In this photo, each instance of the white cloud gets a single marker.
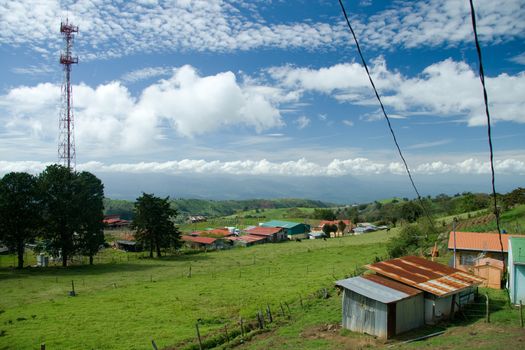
(446, 88)
(112, 29)
(145, 73)
(348, 122)
(301, 167)
(302, 122)
(520, 59)
(436, 22)
(109, 117)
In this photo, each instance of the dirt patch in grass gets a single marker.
(341, 338)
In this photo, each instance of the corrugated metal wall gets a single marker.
(410, 313)
(364, 315)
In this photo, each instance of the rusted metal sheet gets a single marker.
(426, 275)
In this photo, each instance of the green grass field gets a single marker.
(126, 304)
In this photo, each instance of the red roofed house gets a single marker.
(114, 221)
(273, 234)
(216, 232)
(203, 242)
(480, 254)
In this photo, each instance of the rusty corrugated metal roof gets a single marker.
(392, 284)
(426, 275)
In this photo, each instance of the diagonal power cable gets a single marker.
(489, 132)
(386, 117)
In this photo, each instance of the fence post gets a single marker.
(269, 313)
(521, 314)
(43, 346)
(301, 300)
(242, 329)
(226, 331)
(282, 309)
(198, 335)
(154, 345)
(487, 308)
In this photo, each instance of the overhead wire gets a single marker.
(386, 117)
(489, 131)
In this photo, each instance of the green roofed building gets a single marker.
(516, 268)
(294, 230)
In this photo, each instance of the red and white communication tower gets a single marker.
(66, 145)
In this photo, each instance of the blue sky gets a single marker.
(258, 89)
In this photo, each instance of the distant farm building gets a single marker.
(445, 288)
(273, 234)
(114, 221)
(205, 243)
(196, 218)
(516, 268)
(293, 230)
(128, 246)
(378, 306)
(248, 240)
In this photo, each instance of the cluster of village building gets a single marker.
(401, 294)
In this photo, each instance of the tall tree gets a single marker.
(61, 212)
(19, 212)
(153, 220)
(72, 211)
(91, 230)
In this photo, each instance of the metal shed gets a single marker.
(378, 306)
(445, 288)
(294, 230)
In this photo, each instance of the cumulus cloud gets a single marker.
(446, 88)
(109, 116)
(301, 167)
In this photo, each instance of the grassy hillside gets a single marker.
(213, 208)
(123, 305)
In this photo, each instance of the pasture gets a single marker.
(128, 301)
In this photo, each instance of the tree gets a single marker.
(323, 214)
(72, 211)
(405, 243)
(410, 211)
(91, 230)
(19, 212)
(341, 226)
(154, 225)
(327, 228)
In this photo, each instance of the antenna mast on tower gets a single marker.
(66, 146)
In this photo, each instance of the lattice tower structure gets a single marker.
(66, 145)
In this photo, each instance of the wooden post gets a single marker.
(301, 300)
(521, 314)
(269, 313)
(72, 293)
(487, 308)
(189, 273)
(154, 345)
(227, 335)
(282, 309)
(242, 329)
(288, 307)
(198, 335)
(43, 346)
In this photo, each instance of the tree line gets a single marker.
(63, 210)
